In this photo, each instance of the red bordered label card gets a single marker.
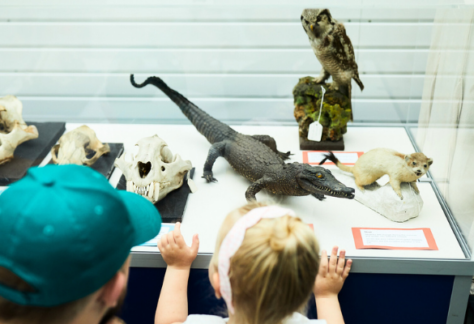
(394, 238)
(346, 158)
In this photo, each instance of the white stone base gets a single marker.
(384, 200)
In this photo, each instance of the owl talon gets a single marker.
(333, 86)
(318, 80)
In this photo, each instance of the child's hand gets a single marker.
(115, 320)
(331, 276)
(174, 250)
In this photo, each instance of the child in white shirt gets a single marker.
(265, 266)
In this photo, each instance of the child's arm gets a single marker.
(329, 282)
(173, 302)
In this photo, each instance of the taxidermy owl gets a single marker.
(333, 48)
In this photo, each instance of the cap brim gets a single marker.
(144, 216)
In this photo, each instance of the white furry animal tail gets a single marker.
(331, 157)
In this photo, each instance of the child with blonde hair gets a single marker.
(265, 266)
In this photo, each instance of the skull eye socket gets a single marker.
(163, 168)
(319, 175)
(144, 169)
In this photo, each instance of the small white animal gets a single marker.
(376, 163)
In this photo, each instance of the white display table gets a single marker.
(332, 218)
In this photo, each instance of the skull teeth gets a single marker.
(150, 191)
(143, 191)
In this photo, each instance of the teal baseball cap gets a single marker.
(66, 232)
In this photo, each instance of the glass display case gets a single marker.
(70, 61)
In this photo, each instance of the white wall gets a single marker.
(238, 60)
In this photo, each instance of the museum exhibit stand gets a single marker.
(428, 285)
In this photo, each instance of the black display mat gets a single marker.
(105, 164)
(31, 153)
(308, 145)
(171, 207)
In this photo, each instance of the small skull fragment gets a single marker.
(74, 147)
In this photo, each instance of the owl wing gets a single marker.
(343, 49)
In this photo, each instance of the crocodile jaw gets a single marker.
(312, 187)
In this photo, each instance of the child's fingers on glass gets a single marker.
(162, 243)
(340, 262)
(176, 237)
(347, 269)
(323, 265)
(333, 260)
(164, 240)
(170, 238)
(177, 228)
(179, 240)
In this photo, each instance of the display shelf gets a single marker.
(332, 218)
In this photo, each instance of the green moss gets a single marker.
(336, 111)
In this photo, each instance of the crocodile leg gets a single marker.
(216, 150)
(255, 188)
(271, 143)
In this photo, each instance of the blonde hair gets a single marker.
(272, 274)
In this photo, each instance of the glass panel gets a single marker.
(445, 130)
(239, 61)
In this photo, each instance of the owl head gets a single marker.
(317, 22)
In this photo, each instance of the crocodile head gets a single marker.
(318, 180)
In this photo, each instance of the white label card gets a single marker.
(394, 238)
(315, 131)
(165, 229)
(192, 186)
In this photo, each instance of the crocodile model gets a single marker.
(255, 157)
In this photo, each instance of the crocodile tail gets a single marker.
(212, 129)
(331, 157)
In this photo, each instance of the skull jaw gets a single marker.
(5, 159)
(155, 191)
(151, 191)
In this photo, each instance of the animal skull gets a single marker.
(13, 129)
(76, 145)
(154, 171)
